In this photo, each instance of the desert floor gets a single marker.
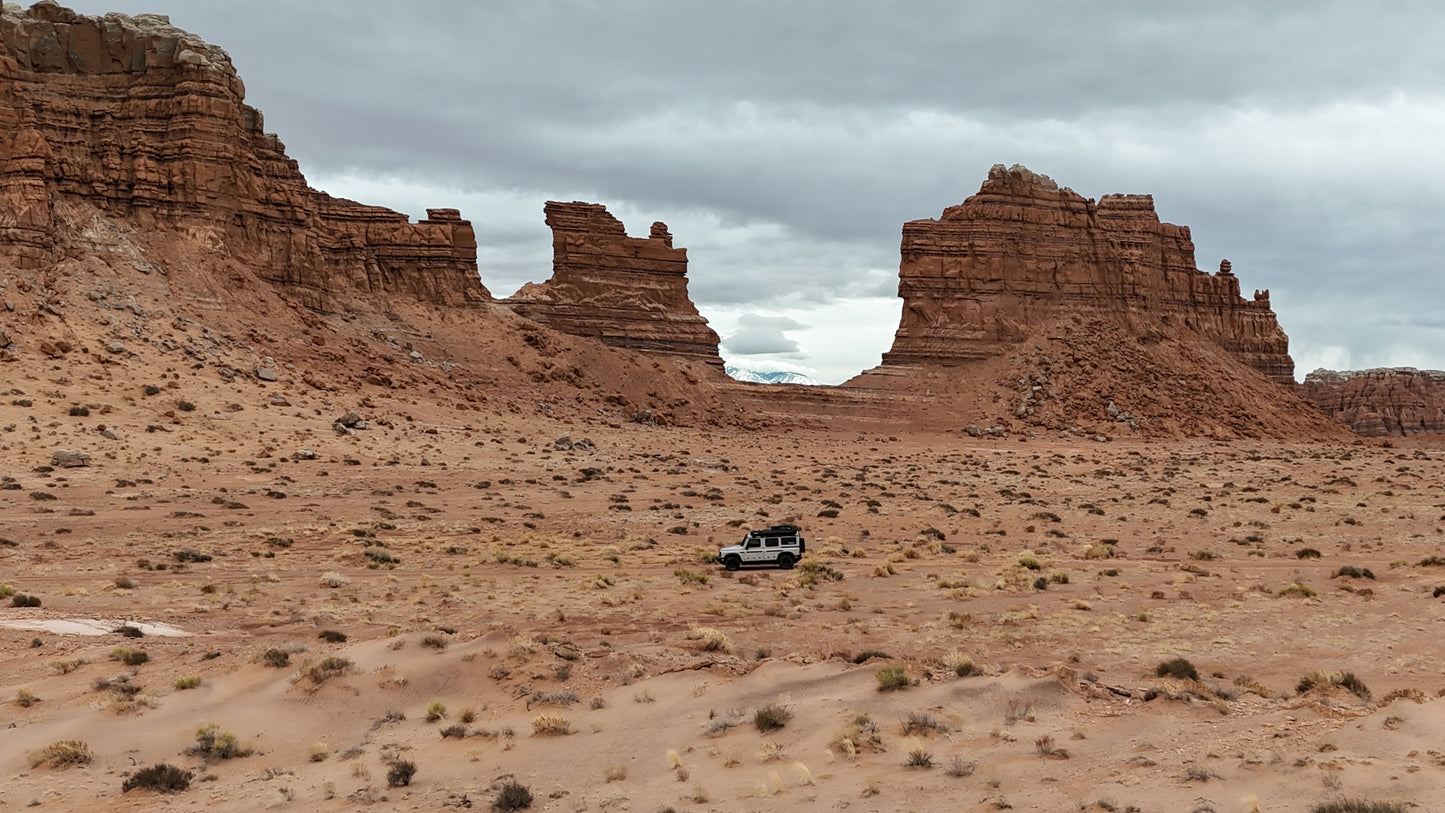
(1027, 588)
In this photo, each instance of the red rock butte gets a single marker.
(147, 122)
(628, 292)
(1384, 402)
(1023, 251)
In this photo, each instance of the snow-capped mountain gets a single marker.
(773, 377)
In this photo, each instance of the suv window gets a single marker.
(771, 543)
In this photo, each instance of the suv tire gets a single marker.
(785, 561)
(732, 563)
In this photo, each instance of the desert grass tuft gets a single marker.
(1358, 806)
(550, 725)
(326, 669)
(213, 743)
(918, 755)
(771, 718)
(128, 656)
(923, 723)
(893, 678)
(709, 639)
(435, 710)
(1345, 680)
(62, 754)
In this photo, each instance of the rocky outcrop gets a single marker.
(626, 291)
(1384, 402)
(1023, 252)
(146, 122)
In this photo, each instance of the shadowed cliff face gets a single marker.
(1023, 251)
(1399, 401)
(629, 292)
(144, 121)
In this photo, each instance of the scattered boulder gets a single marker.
(304, 454)
(69, 458)
(266, 373)
(562, 443)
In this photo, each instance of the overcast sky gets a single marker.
(785, 143)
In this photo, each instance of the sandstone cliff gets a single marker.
(145, 122)
(1023, 251)
(629, 292)
(1384, 402)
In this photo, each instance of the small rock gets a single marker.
(304, 454)
(583, 445)
(415, 355)
(349, 419)
(109, 434)
(973, 430)
(4, 339)
(562, 443)
(362, 425)
(342, 429)
(266, 373)
(69, 458)
(279, 400)
(115, 347)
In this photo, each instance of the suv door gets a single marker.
(753, 551)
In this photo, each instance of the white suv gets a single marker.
(780, 545)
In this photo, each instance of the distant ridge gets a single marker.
(774, 377)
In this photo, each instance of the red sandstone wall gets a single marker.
(629, 292)
(147, 122)
(1022, 251)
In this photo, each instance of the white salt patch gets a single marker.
(90, 626)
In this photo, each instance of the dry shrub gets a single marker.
(709, 639)
(400, 774)
(548, 725)
(161, 778)
(893, 678)
(213, 743)
(326, 669)
(62, 754)
(771, 718)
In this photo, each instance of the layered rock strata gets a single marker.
(626, 291)
(144, 121)
(1384, 402)
(1024, 251)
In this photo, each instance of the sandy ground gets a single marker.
(517, 590)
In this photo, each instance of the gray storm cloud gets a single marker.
(785, 144)
(763, 335)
